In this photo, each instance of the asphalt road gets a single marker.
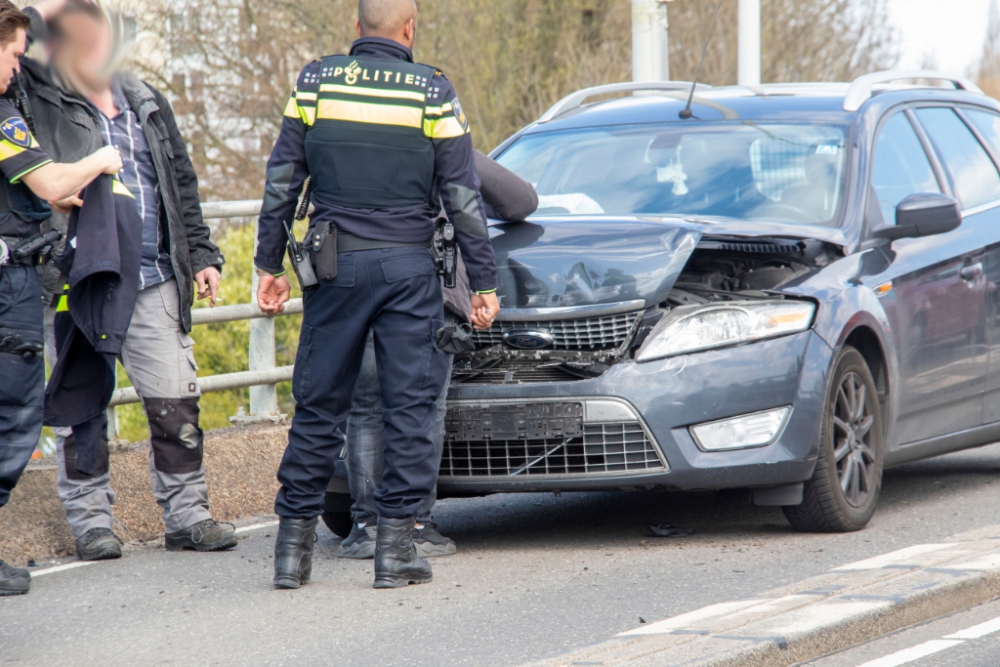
(536, 575)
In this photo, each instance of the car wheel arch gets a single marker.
(868, 333)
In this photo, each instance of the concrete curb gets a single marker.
(851, 604)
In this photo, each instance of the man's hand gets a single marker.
(485, 308)
(65, 206)
(273, 293)
(208, 284)
(111, 159)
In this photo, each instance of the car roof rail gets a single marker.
(861, 88)
(576, 100)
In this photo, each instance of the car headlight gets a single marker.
(754, 430)
(695, 328)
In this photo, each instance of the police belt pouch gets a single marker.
(322, 244)
(455, 338)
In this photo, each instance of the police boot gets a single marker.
(293, 552)
(396, 562)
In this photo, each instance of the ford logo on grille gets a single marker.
(528, 340)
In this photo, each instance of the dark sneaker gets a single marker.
(207, 535)
(432, 544)
(99, 544)
(13, 580)
(360, 543)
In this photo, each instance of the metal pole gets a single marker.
(263, 398)
(650, 54)
(749, 50)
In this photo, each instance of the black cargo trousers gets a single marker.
(22, 372)
(396, 293)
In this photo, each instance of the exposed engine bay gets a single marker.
(719, 270)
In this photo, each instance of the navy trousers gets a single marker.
(396, 293)
(22, 373)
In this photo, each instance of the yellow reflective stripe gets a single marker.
(17, 179)
(439, 111)
(376, 114)
(446, 128)
(373, 92)
(8, 149)
(308, 97)
(306, 114)
(63, 306)
(118, 188)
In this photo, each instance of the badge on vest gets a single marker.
(15, 131)
(460, 114)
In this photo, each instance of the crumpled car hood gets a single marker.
(556, 262)
(563, 262)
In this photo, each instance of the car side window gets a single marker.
(972, 172)
(988, 124)
(901, 167)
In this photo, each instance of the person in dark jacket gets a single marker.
(78, 106)
(29, 176)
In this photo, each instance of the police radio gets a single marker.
(448, 266)
(301, 264)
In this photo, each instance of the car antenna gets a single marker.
(686, 112)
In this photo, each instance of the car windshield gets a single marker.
(780, 172)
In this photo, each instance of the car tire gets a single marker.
(337, 514)
(844, 490)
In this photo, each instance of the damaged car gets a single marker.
(781, 290)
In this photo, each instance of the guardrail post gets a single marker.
(263, 398)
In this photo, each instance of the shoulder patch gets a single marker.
(460, 114)
(16, 132)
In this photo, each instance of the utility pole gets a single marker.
(749, 49)
(650, 56)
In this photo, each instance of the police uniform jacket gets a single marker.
(386, 143)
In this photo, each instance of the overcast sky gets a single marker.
(952, 30)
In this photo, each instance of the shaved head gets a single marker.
(385, 18)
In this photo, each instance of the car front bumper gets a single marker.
(665, 398)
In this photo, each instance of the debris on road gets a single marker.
(667, 530)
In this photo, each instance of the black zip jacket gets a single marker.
(69, 130)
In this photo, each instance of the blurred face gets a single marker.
(9, 60)
(84, 51)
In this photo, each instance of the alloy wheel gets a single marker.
(852, 431)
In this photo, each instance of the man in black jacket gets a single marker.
(77, 107)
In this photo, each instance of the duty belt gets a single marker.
(350, 243)
(12, 242)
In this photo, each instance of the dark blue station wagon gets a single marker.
(786, 292)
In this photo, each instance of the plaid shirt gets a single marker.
(138, 174)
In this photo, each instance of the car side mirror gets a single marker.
(922, 215)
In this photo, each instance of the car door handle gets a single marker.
(972, 271)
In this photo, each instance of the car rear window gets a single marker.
(784, 172)
(973, 175)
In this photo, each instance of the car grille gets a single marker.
(591, 333)
(518, 371)
(621, 447)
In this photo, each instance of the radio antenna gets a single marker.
(686, 112)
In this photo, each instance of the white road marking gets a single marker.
(691, 619)
(256, 526)
(914, 653)
(977, 631)
(61, 568)
(902, 557)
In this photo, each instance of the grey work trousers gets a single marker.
(159, 360)
(366, 439)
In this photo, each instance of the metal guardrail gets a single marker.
(263, 374)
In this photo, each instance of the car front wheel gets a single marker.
(844, 490)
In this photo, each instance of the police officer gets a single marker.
(383, 140)
(28, 177)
